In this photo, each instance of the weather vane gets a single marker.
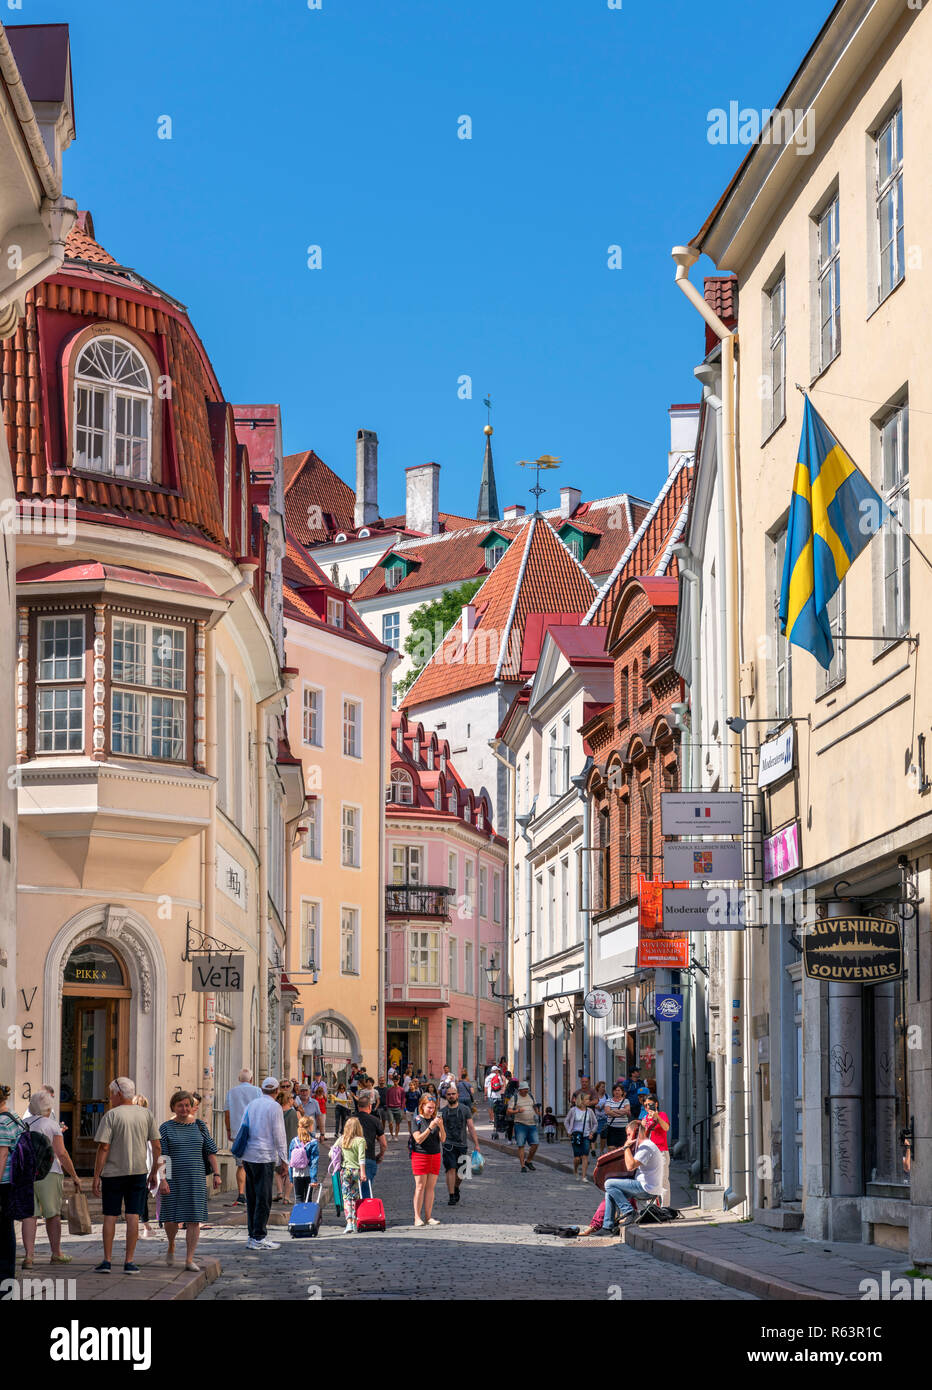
(487, 402)
(545, 461)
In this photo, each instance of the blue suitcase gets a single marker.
(305, 1218)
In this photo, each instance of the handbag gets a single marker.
(205, 1154)
(238, 1147)
(79, 1216)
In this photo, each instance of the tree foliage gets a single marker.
(430, 624)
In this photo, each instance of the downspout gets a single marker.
(508, 1020)
(207, 1028)
(292, 840)
(391, 660)
(739, 1157)
(524, 821)
(263, 849)
(579, 782)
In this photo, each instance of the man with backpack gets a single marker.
(494, 1085)
(523, 1111)
(121, 1170)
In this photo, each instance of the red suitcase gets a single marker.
(370, 1213)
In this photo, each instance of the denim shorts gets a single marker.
(580, 1144)
(525, 1134)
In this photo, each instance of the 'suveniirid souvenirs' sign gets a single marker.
(853, 949)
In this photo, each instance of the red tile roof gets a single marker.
(425, 780)
(650, 552)
(82, 572)
(303, 579)
(537, 574)
(458, 556)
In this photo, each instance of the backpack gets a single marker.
(299, 1160)
(496, 1083)
(43, 1155)
(566, 1232)
(655, 1214)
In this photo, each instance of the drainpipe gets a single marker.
(208, 1029)
(523, 822)
(579, 782)
(263, 849)
(508, 1020)
(739, 1159)
(293, 838)
(392, 659)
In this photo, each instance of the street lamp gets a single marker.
(737, 724)
(493, 973)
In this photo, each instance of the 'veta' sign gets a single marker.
(217, 972)
(853, 948)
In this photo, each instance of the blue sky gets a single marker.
(441, 257)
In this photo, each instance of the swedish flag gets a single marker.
(833, 515)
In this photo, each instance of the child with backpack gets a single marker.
(303, 1157)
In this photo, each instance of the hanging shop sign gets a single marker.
(658, 949)
(217, 972)
(703, 909)
(598, 1003)
(776, 758)
(297, 1015)
(701, 813)
(718, 859)
(781, 852)
(850, 949)
(668, 1008)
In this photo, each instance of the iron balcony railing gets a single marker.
(417, 900)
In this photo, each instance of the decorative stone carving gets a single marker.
(116, 925)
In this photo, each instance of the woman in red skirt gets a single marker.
(427, 1137)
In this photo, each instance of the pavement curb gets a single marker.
(538, 1157)
(665, 1247)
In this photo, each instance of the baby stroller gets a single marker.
(499, 1123)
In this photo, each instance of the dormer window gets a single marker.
(480, 819)
(443, 762)
(400, 739)
(451, 803)
(364, 536)
(402, 789)
(335, 612)
(467, 814)
(438, 797)
(339, 537)
(493, 554)
(416, 749)
(430, 758)
(394, 574)
(113, 410)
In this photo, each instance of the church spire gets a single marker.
(488, 495)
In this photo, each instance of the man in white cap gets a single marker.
(524, 1108)
(266, 1149)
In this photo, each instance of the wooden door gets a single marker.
(99, 1057)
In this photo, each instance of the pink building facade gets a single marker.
(445, 910)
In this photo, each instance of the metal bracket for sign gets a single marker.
(906, 898)
(210, 944)
(697, 965)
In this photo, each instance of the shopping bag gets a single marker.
(477, 1162)
(79, 1217)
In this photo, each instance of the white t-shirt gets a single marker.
(650, 1173)
(238, 1097)
(488, 1085)
(44, 1124)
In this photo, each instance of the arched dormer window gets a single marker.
(402, 788)
(340, 536)
(113, 410)
(438, 797)
(451, 803)
(400, 738)
(430, 758)
(480, 818)
(416, 749)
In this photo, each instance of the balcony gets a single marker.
(417, 900)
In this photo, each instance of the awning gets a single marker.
(288, 988)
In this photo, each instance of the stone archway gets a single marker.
(141, 951)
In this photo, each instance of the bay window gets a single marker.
(60, 685)
(424, 958)
(148, 660)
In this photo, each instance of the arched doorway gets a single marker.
(96, 997)
(328, 1047)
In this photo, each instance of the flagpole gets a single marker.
(918, 549)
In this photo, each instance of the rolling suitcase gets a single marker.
(305, 1216)
(370, 1212)
(337, 1193)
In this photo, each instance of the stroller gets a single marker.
(499, 1121)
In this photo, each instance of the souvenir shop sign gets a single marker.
(217, 972)
(658, 949)
(852, 949)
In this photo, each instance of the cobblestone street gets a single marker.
(485, 1247)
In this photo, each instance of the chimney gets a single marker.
(684, 431)
(468, 623)
(570, 498)
(422, 498)
(367, 479)
(512, 512)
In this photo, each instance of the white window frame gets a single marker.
(424, 957)
(835, 612)
(483, 892)
(310, 933)
(453, 880)
(468, 977)
(111, 392)
(483, 977)
(564, 903)
(783, 659)
(356, 843)
(352, 748)
(893, 431)
(391, 629)
(829, 278)
(350, 917)
(336, 612)
(494, 554)
(394, 574)
(496, 897)
(888, 192)
(240, 756)
(469, 885)
(410, 861)
(776, 353)
(453, 964)
(311, 715)
(401, 778)
(312, 848)
(221, 691)
(74, 742)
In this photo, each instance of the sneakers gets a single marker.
(529, 1164)
(433, 1221)
(104, 1267)
(629, 1218)
(266, 1244)
(130, 1268)
(522, 1170)
(61, 1259)
(349, 1229)
(451, 1200)
(253, 1244)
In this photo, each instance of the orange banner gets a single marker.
(658, 949)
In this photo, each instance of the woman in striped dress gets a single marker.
(185, 1144)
